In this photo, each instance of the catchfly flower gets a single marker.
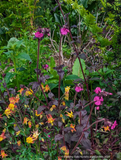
(98, 100)
(97, 90)
(64, 31)
(78, 89)
(114, 125)
(39, 35)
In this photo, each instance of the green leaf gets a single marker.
(76, 70)
(57, 18)
(24, 56)
(105, 141)
(52, 62)
(97, 152)
(9, 76)
(72, 77)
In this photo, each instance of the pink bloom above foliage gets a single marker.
(39, 35)
(114, 125)
(97, 90)
(64, 31)
(49, 136)
(98, 100)
(78, 89)
(46, 66)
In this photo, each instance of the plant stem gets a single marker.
(38, 58)
(14, 61)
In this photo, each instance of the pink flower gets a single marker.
(97, 108)
(98, 100)
(39, 35)
(49, 136)
(114, 125)
(78, 89)
(45, 66)
(48, 34)
(97, 90)
(64, 31)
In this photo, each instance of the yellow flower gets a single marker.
(17, 133)
(42, 86)
(41, 123)
(29, 140)
(63, 103)
(42, 140)
(67, 89)
(81, 153)
(8, 112)
(28, 92)
(50, 119)
(67, 152)
(19, 143)
(26, 106)
(4, 130)
(37, 126)
(73, 128)
(11, 106)
(35, 135)
(70, 114)
(63, 120)
(53, 107)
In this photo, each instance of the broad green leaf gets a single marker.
(72, 77)
(52, 62)
(97, 152)
(76, 70)
(9, 76)
(24, 56)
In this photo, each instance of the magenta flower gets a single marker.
(39, 35)
(45, 66)
(98, 100)
(97, 90)
(78, 89)
(114, 125)
(49, 136)
(64, 31)
(48, 34)
(97, 108)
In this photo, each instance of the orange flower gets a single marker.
(25, 120)
(42, 86)
(106, 128)
(19, 143)
(38, 114)
(21, 90)
(59, 158)
(14, 100)
(73, 128)
(30, 124)
(50, 119)
(63, 103)
(2, 136)
(67, 152)
(3, 154)
(63, 148)
(47, 88)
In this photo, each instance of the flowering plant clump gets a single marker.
(57, 113)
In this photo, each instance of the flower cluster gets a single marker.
(27, 93)
(46, 88)
(33, 137)
(26, 120)
(99, 99)
(64, 31)
(65, 150)
(11, 107)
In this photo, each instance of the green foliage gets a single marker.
(77, 69)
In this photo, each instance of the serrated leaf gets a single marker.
(76, 70)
